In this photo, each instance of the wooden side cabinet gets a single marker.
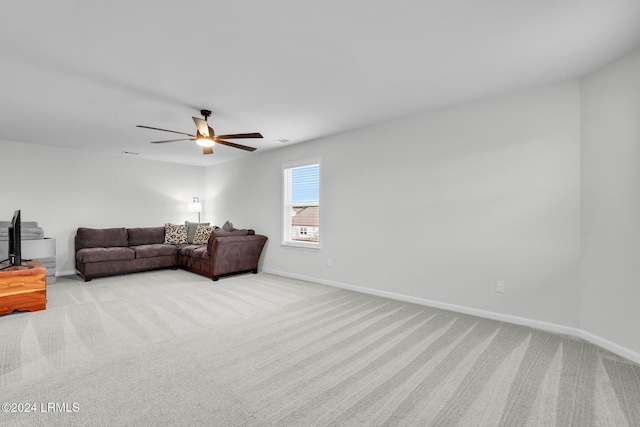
(23, 289)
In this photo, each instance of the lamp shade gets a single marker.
(195, 206)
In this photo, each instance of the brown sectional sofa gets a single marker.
(111, 251)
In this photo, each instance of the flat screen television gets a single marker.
(15, 242)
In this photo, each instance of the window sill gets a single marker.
(301, 245)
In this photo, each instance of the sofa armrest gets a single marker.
(220, 233)
(231, 254)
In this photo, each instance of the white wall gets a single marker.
(66, 189)
(610, 270)
(437, 206)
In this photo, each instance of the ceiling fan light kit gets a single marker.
(203, 141)
(206, 137)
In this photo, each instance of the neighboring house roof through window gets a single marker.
(307, 217)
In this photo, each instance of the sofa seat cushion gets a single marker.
(195, 251)
(86, 255)
(155, 250)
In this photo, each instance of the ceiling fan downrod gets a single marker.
(205, 114)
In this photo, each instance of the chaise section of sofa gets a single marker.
(225, 253)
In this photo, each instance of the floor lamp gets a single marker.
(195, 206)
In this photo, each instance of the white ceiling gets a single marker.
(81, 74)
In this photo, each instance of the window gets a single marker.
(301, 207)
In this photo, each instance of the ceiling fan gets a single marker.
(205, 137)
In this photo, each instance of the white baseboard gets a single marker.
(609, 345)
(546, 326)
(66, 273)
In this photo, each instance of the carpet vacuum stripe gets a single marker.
(174, 348)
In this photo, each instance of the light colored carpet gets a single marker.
(174, 348)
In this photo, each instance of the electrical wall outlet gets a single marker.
(500, 286)
(329, 263)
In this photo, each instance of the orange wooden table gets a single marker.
(23, 288)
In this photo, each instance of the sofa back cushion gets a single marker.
(101, 237)
(145, 236)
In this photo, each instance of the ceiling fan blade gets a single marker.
(202, 126)
(166, 130)
(239, 135)
(172, 140)
(231, 144)
(207, 150)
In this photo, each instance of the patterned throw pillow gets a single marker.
(202, 235)
(191, 229)
(175, 234)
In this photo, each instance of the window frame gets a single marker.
(286, 205)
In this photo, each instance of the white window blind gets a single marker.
(301, 208)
